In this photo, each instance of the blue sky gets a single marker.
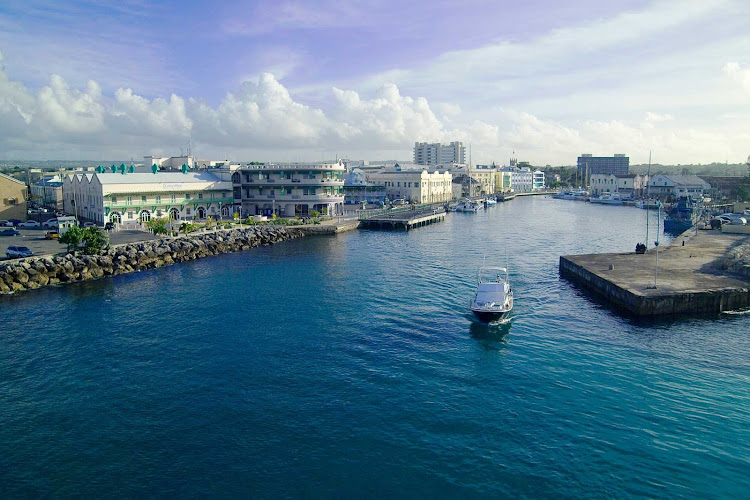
(289, 80)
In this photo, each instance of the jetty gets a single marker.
(699, 273)
(402, 219)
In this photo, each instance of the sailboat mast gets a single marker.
(648, 177)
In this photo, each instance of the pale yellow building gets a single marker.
(416, 186)
(13, 196)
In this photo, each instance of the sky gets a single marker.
(307, 81)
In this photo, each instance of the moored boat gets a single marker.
(494, 298)
(467, 206)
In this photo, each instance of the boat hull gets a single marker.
(489, 316)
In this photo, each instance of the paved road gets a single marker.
(34, 239)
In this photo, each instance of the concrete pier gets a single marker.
(404, 220)
(689, 279)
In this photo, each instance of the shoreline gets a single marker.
(36, 272)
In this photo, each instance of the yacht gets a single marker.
(494, 297)
(610, 199)
(490, 201)
(467, 206)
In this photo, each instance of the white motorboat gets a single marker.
(490, 201)
(494, 297)
(647, 204)
(610, 199)
(467, 206)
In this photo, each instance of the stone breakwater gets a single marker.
(42, 271)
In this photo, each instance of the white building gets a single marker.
(677, 186)
(537, 180)
(130, 198)
(416, 186)
(521, 179)
(628, 185)
(439, 154)
(290, 189)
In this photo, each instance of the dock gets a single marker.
(690, 279)
(403, 219)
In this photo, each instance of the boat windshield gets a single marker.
(493, 275)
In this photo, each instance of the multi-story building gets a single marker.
(628, 186)
(435, 153)
(290, 189)
(48, 192)
(486, 176)
(135, 197)
(668, 186)
(416, 186)
(357, 189)
(537, 180)
(589, 165)
(521, 179)
(13, 194)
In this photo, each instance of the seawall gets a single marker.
(36, 272)
(692, 277)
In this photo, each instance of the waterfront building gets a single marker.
(439, 154)
(668, 186)
(465, 186)
(537, 180)
(521, 178)
(130, 198)
(589, 165)
(627, 186)
(13, 194)
(357, 189)
(290, 189)
(416, 186)
(47, 192)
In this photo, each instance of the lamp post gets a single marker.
(656, 244)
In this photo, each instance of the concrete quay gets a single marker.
(690, 279)
(407, 219)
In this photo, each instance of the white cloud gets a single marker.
(738, 75)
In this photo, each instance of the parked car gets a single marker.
(15, 222)
(17, 252)
(89, 224)
(10, 232)
(51, 235)
(30, 223)
(6, 223)
(50, 223)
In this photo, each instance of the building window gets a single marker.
(158, 198)
(114, 199)
(200, 196)
(129, 200)
(187, 196)
(187, 211)
(172, 198)
(130, 215)
(143, 198)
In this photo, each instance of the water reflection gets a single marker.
(495, 332)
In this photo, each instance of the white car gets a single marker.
(50, 223)
(29, 223)
(6, 223)
(89, 224)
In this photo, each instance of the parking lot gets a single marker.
(34, 240)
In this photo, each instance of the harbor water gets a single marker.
(351, 366)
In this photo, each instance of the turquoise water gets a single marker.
(351, 366)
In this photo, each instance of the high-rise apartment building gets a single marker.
(589, 165)
(426, 153)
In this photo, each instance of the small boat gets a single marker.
(610, 199)
(494, 297)
(490, 201)
(647, 204)
(467, 206)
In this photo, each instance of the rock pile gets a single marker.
(736, 260)
(37, 272)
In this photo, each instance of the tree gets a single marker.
(314, 213)
(72, 237)
(94, 240)
(157, 226)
